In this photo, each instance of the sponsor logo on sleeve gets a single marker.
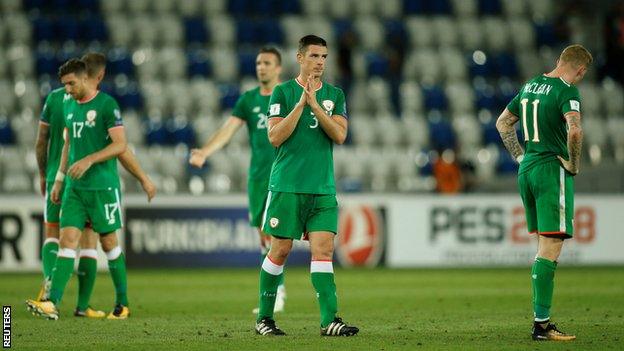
(274, 110)
(575, 105)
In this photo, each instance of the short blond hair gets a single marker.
(576, 55)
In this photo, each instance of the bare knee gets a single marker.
(51, 232)
(549, 248)
(89, 239)
(280, 248)
(322, 246)
(109, 241)
(69, 238)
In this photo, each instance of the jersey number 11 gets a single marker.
(535, 102)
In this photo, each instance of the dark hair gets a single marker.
(74, 65)
(272, 50)
(310, 39)
(94, 61)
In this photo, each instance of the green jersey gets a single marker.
(251, 107)
(87, 126)
(541, 104)
(304, 163)
(52, 116)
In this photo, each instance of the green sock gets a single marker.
(87, 269)
(270, 277)
(262, 257)
(61, 273)
(322, 276)
(49, 250)
(542, 275)
(117, 268)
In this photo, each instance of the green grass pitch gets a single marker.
(416, 309)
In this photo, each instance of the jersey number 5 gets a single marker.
(535, 102)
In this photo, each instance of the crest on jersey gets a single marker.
(273, 222)
(91, 114)
(328, 105)
(70, 116)
(256, 109)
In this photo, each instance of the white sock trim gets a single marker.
(67, 253)
(114, 253)
(91, 253)
(271, 268)
(50, 240)
(542, 320)
(321, 267)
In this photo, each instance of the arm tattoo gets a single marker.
(575, 138)
(41, 151)
(505, 126)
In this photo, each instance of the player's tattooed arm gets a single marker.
(575, 142)
(41, 152)
(505, 126)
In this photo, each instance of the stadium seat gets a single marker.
(445, 30)
(143, 27)
(67, 29)
(461, 97)
(490, 7)
(180, 132)
(434, 97)
(198, 63)
(170, 30)
(189, 8)
(505, 64)
(506, 164)
(163, 7)
(471, 34)
(370, 32)
(215, 7)
(229, 95)
(44, 29)
(6, 132)
(19, 29)
(454, 65)
(545, 34)
(615, 130)
(20, 60)
(377, 64)
(465, 8)
(340, 9)
(228, 64)
(420, 31)
(121, 30)
(441, 133)
(120, 62)
(513, 8)
(270, 32)
(522, 34)
(613, 98)
(468, 131)
(592, 104)
(415, 131)
(93, 28)
(496, 33)
(388, 8)
(129, 96)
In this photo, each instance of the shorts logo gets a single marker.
(274, 222)
(575, 105)
(274, 110)
(91, 114)
(328, 105)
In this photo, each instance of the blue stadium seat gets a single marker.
(67, 28)
(270, 32)
(545, 34)
(46, 63)
(156, 133)
(412, 7)
(490, 133)
(481, 69)
(120, 62)
(378, 64)
(43, 29)
(505, 64)
(395, 31)
(485, 98)
(229, 95)
(426, 169)
(246, 31)
(342, 26)
(129, 97)
(506, 164)
(92, 6)
(180, 132)
(93, 28)
(67, 53)
(240, 7)
(198, 64)
(490, 7)
(435, 98)
(441, 134)
(195, 30)
(7, 137)
(63, 5)
(439, 7)
(247, 63)
(107, 87)
(290, 6)
(33, 4)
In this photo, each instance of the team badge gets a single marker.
(91, 114)
(328, 105)
(274, 222)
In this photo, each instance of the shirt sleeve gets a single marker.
(341, 105)
(239, 108)
(514, 105)
(570, 100)
(112, 115)
(277, 103)
(45, 112)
